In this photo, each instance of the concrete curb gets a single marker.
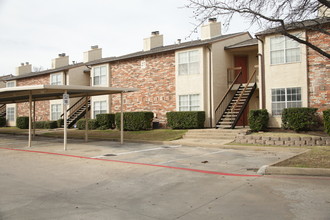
(273, 170)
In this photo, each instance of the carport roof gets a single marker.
(50, 92)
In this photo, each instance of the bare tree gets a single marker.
(285, 15)
(38, 68)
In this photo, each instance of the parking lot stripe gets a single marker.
(135, 163)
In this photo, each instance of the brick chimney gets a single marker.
(211, 29)
(155, 40)
(94, 54)
(60, 61)
(23, 69)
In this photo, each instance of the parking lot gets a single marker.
(106, 180)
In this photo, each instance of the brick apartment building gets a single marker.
(196, 75)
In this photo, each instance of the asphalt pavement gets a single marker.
(106, 180)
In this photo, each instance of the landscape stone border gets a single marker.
(282, 141)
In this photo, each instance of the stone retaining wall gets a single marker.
(283, 141)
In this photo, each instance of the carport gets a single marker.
(51, 92)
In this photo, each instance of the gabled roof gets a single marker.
(246, 43)
(168, 48)
(157, 50)
(60, 69)
(307, 24)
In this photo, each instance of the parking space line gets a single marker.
(135, 163)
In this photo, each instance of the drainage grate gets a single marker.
(110, 155)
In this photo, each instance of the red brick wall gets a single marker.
(42, 107)
(156, 84)
(319, 71)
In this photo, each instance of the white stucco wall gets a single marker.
(284, 76)
(106, 98)
(221, 61)
(190, 84)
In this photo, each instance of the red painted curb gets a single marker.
(135, 163)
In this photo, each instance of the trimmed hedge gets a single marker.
(45, 124)
(185, 120)
(22, 122)
(326, 118)
(258, 119)
(106, 121)
(60, 122)
(299, 119)
(135, 121)
(3, 122)
(92, 124)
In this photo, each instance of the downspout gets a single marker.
(65, 77)
(262, 58)
(210, 85)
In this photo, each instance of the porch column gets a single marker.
(30, 119)
(121, 119)
(86, 119)
(65, 122)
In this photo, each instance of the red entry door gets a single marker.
(242, 61)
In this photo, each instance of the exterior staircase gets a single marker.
(236, 106)
(77, 111)
(3, 110)
(209, 137)
(235, 101)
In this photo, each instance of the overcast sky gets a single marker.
(36, 31)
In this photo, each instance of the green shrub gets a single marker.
(45, 124)
(185, 120)
(3, 121)
(326, 118)
(60, 122)
(50, 124)
(92, 124)
(135, 121)
(22, 122)
(106, 121)
(299, 119)
(39, 124)
(258, 119)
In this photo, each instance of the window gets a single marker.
(284, 50)
(56, 79)
(188, 62)
(285, 98)
(56, 111)
(189, 102)
(100, 107)
(11, 84)
(100, 75)
(10, 114)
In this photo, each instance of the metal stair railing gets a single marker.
(2, 109)
(235, 120)
(76, 107)
(226, 99)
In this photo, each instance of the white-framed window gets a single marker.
(100, 107)
(189, 102)
(284, 50)
(10, 114)
(10, 84)
(99, 75)
(55, 111)
(189, 62)
(285, 98)
(56, 79)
